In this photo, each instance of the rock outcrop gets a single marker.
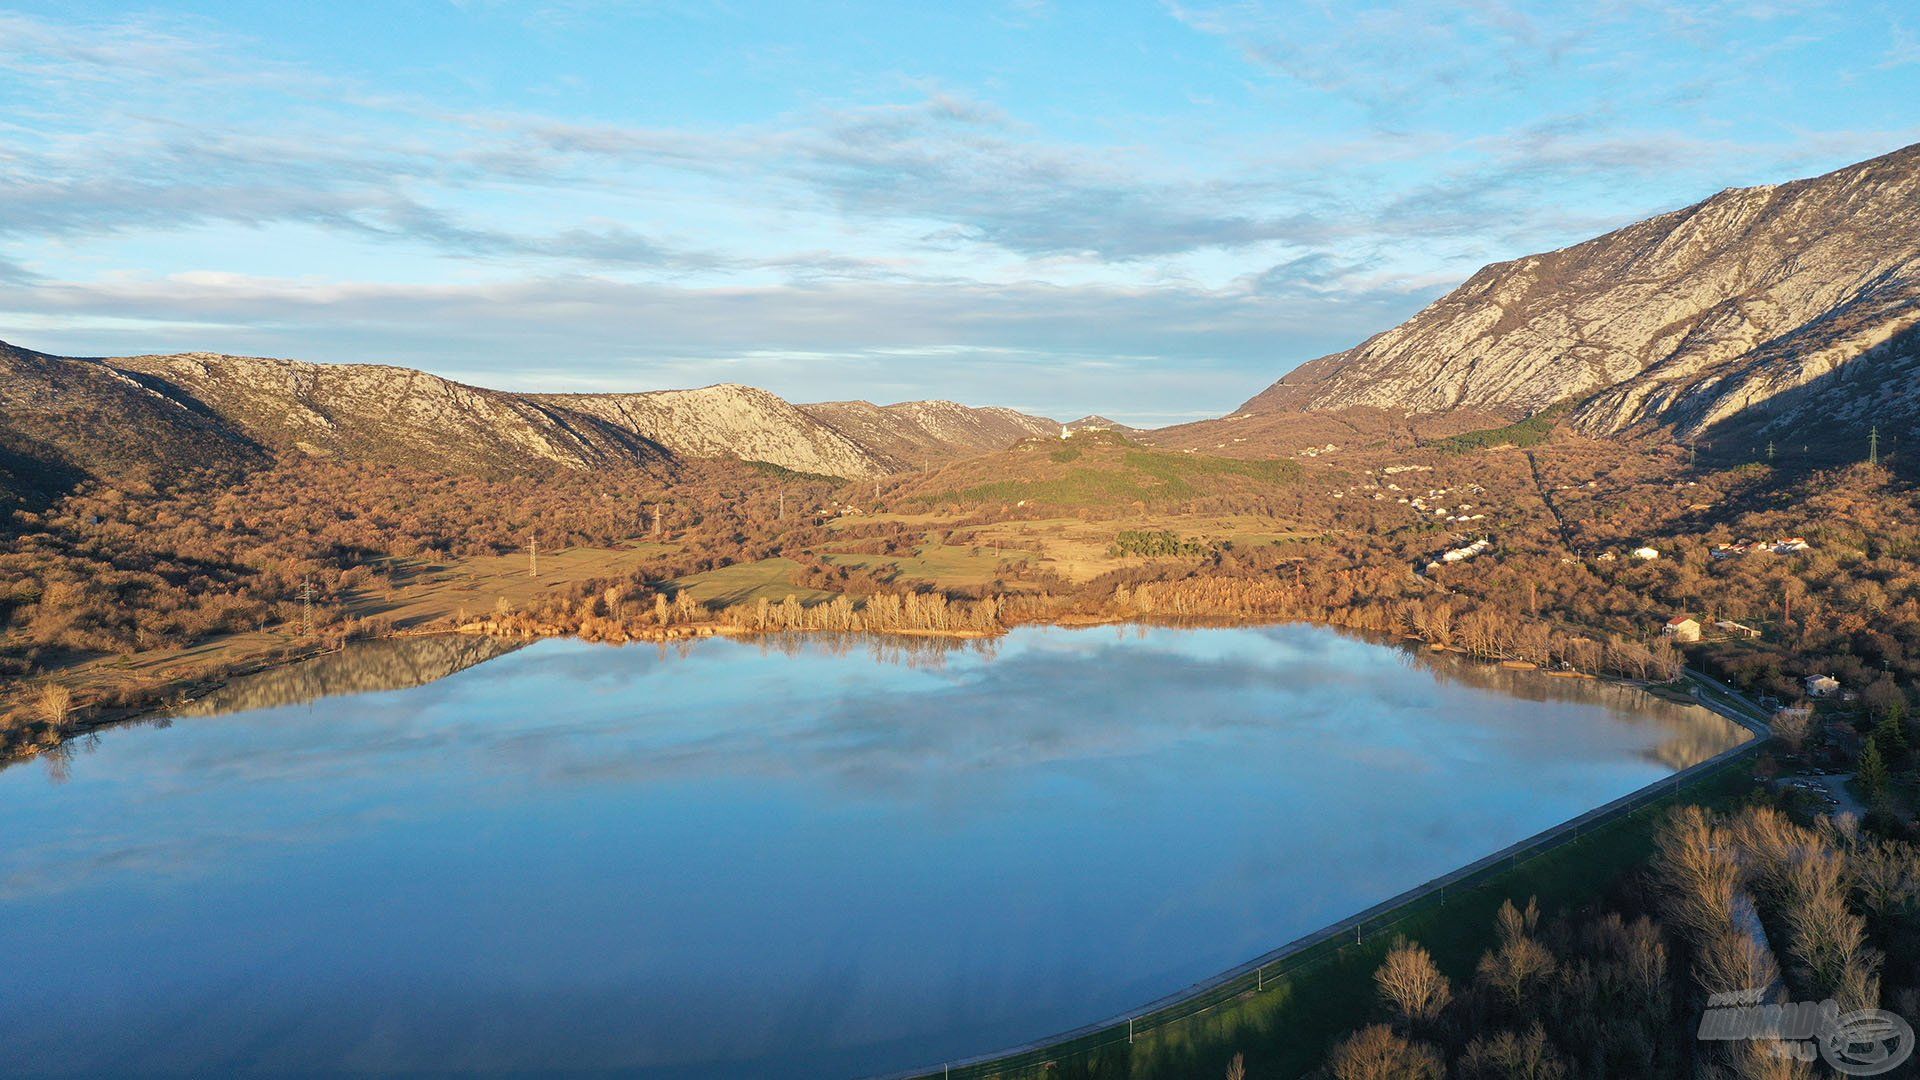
(1683, 321)
(729, 420)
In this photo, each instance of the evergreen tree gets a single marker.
(1890, 735)
(1873, 769)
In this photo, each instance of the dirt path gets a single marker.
(1546, 500)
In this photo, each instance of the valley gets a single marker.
(1673, 463)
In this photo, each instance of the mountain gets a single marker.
(1793, 303)
(1096, 422)
(391, 415)
(913, 431)
(62, 419)
(729, 420)
(151, 416)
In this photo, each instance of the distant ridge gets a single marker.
(155, 415)
(1097, 422)
(911, 431)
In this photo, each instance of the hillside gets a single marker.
(727, 420)
(68, 417)
(389, 415)
(61, 419)
(1096, 470)
(913, 431)
(1797, 300)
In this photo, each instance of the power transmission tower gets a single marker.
(306, 606)
(533, 557)
(1873, 446)
(783, 506)
(1769, 449)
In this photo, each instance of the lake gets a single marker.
(798, 856)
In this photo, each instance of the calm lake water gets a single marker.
(784, 858)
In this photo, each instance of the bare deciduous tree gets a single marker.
(56, 703)
(1380, 1053)
(1411, 985)
(1792, 726)
(1508, 1056)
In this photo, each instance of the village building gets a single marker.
(1822, 685)
(1683, 628)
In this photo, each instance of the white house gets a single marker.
(1645, 553)
(1822, 685)
(1683, 628)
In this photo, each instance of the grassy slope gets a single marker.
(1532, 431)
(1095, 469)
(771, 579)
(945, 565)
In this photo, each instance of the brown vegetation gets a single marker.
(1593, 994)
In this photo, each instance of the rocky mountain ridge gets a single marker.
(159, 413)
(1757, 301)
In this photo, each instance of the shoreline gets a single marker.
(176, 694)
(1206, 994)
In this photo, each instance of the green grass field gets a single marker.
(745, 582)
(941, 564)
(1117, 475)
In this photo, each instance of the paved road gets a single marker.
(1845, 802)
(1728, 694)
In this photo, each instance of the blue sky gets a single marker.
(1149, 210)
